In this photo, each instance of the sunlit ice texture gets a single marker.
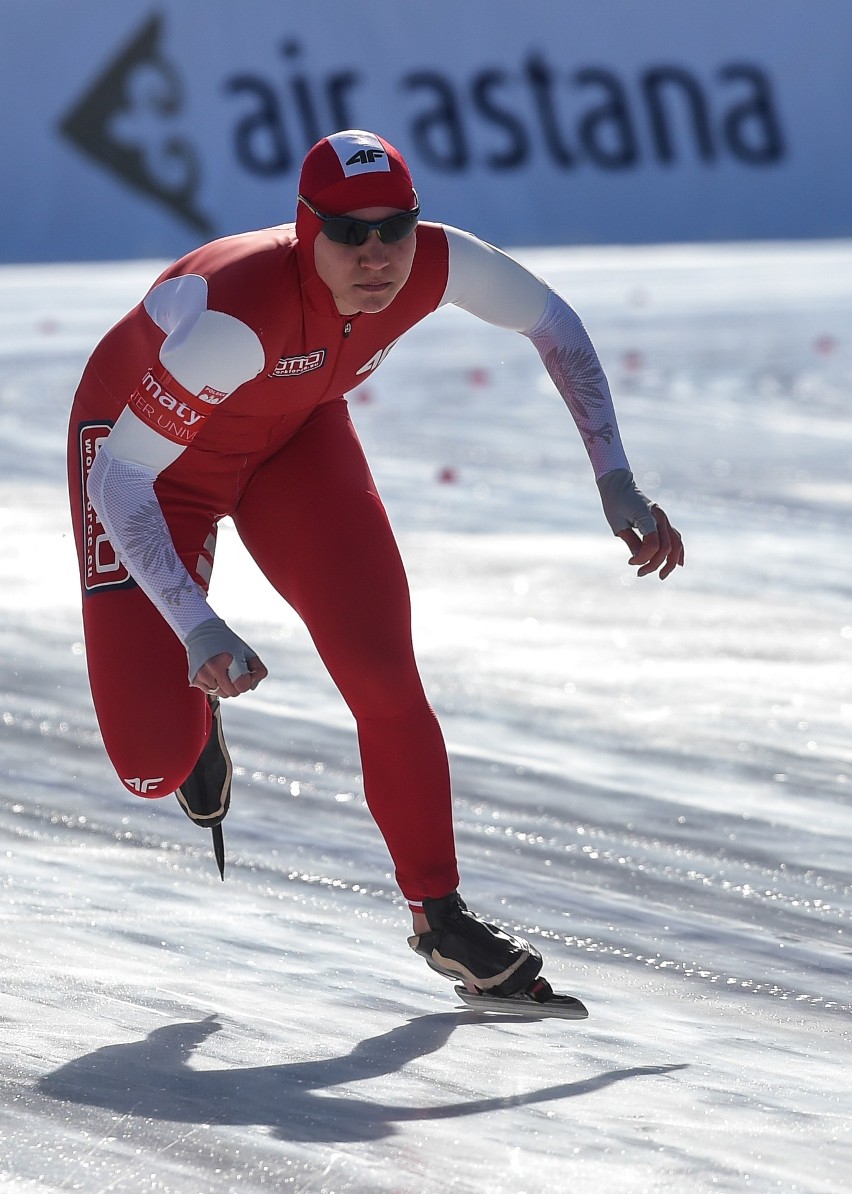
(652, 780)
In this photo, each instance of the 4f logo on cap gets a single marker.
(366, 157)
(359, 153)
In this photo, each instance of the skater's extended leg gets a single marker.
(313, 520)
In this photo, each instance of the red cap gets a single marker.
(355, 169)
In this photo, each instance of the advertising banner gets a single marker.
(141, 128)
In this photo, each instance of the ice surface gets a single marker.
(652, 781)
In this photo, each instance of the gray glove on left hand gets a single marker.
(624, 505)
(212, 638)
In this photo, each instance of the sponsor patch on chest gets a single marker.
(296, 366)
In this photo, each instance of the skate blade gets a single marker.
(219, 849)
(559, 1007)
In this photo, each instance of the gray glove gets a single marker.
(212, 638)
(624, 505)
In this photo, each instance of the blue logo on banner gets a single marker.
(126, 123)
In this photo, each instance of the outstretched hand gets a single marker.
(659, 551)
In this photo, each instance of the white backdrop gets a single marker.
(140, 129)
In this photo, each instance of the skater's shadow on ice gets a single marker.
(151, 1079)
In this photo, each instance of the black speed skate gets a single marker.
(462, 945)
(205, 794)
(499, 972)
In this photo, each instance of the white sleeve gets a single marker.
(493, 286)
(203, 349)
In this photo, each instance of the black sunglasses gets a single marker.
(346, 230)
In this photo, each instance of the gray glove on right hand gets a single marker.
(624, 505)
(212, 638)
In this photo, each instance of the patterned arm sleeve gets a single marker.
(570, 358)
(493, 286)
(122, 492)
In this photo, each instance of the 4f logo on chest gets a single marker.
(296, 366)
(376, 360)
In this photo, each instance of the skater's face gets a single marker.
(365, 278)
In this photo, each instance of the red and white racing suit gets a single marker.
(220, 394)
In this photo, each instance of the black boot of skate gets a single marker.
(205, 794)
(463, 946)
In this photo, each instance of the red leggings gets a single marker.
(311, 517)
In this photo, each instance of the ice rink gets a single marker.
(653, 781)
